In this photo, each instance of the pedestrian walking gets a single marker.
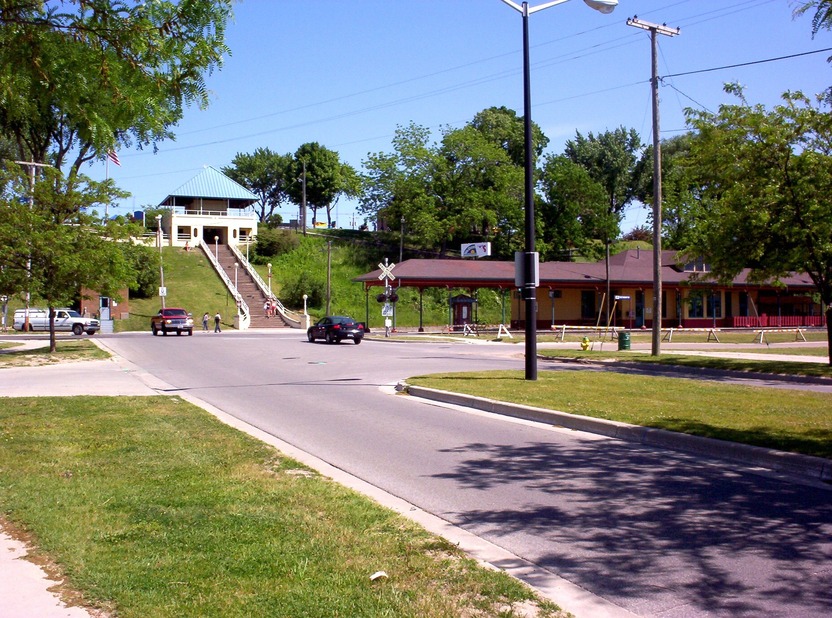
(217, 320)
(205, 321)
(267, 309)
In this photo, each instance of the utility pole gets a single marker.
(655, 30)
(32, 167)
(303, 201)
(328, 275)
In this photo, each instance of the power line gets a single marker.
(746, 64)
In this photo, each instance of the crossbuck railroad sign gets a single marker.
(386, 271)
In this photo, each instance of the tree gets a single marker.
(52, 247)
(822, 19)
(505, 129)
(767, 178)
(266, 174)
(82, 77)
(679, 189)
(465, 188)
(327, 179)
(613, 159)
(574, 210)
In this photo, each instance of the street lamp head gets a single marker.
(602, 6)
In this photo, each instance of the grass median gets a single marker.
(150, 507)
(796, 421)
(68, 350)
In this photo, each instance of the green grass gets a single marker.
(67, 351)
(707, 362)
(192, 283)
(152, 508)
(799, 421)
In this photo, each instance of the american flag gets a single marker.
(114, 157)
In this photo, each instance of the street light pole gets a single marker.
(270, 279)
(529, 263)
(217, 248)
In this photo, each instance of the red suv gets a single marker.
(172, 319)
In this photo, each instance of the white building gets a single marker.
(211, 207)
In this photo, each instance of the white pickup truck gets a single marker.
(65, 320)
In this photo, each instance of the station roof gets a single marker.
(630, 268)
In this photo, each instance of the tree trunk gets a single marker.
(829, 332)
(53, 343)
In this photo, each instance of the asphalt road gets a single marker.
(655, 532)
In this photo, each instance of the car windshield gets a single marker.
(175, 313)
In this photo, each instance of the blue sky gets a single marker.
(346, 73)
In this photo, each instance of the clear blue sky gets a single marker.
(347, 73)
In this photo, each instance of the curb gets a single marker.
(804, 466)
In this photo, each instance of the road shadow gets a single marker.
(655, 532)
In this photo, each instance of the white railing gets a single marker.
(292, 318)
(244, 311)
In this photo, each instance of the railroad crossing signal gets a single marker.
(386, 271)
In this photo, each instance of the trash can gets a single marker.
(623, 341)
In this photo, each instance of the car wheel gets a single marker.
(77, 329)
(330, 338)
(357, 340)
(191, 332)
(310, 336)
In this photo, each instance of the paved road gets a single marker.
(654, 532)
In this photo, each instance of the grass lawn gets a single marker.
(797, 421)
(67, 351)
(151, 507)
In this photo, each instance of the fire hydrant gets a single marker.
(585, 344)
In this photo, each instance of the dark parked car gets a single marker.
(334, 328)
(172, 320)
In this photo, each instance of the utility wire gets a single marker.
(746, 64)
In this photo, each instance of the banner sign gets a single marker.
(476, 249)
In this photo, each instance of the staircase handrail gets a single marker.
(292, 318)
(244, 312)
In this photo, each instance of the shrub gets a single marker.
(273, 242)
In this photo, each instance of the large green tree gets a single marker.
(680, 190)
(466, 188)
(767, 178)
(266, 174)
(574, 210)
(52, 247)
(615, 160)
(81, 77)
(327, 179)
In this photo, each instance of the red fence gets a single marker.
(773, 321)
